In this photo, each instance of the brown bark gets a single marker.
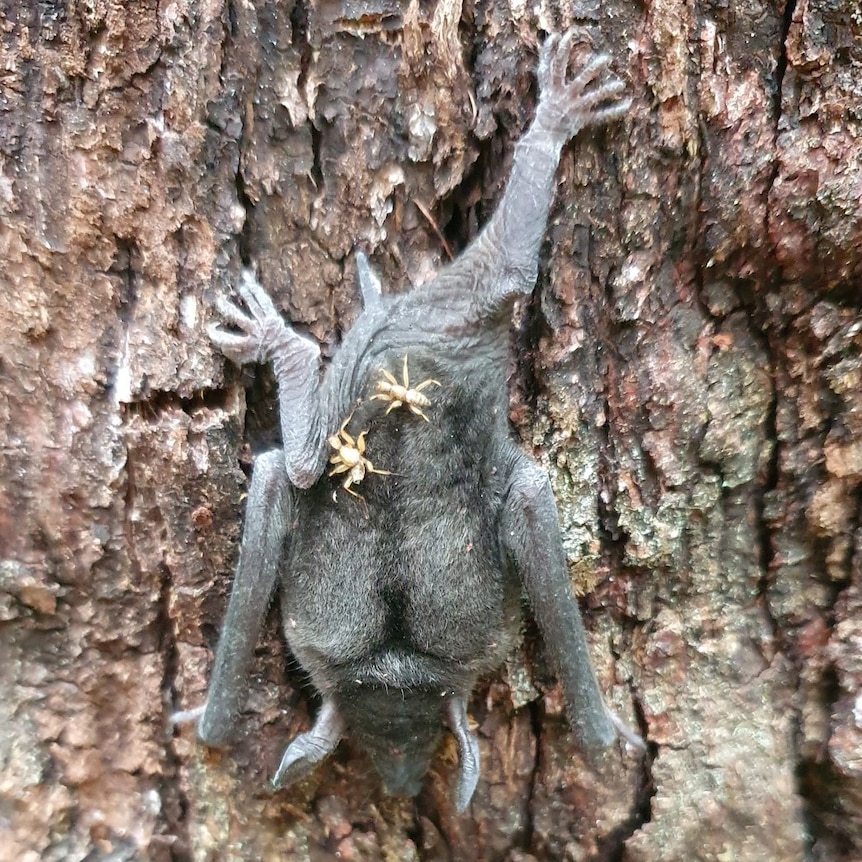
(690, 373)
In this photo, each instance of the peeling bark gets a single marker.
(689, 372)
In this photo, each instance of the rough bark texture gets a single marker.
(690, 373)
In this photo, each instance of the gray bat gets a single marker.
(401, 564)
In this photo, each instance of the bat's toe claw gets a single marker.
(257, 300)
(590, 97)
(241, 349)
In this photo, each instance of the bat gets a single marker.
(400, 522)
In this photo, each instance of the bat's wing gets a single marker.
(268, 513)
(532, 541)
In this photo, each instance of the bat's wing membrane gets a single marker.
(532, 541)
(268, 514)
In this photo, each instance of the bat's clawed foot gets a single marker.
(576, 86)
(261, 329)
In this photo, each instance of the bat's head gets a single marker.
(400, 730)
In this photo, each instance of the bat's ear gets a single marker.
(308, 749)
(468, 753)
(369, 281)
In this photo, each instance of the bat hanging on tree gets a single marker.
(400, 521)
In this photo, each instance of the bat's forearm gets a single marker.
(267, 518)
(531, 538)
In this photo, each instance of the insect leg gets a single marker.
(418, 412)
(424, 383)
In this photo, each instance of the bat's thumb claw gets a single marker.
(625, 732)
(186, 716)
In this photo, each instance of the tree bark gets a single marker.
(689, 372)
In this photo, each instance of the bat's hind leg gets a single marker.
(264, 337)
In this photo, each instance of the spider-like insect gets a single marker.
(389, 389)
(350, 458)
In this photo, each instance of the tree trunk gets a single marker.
(689, 372)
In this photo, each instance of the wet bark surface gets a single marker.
(688, 371)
